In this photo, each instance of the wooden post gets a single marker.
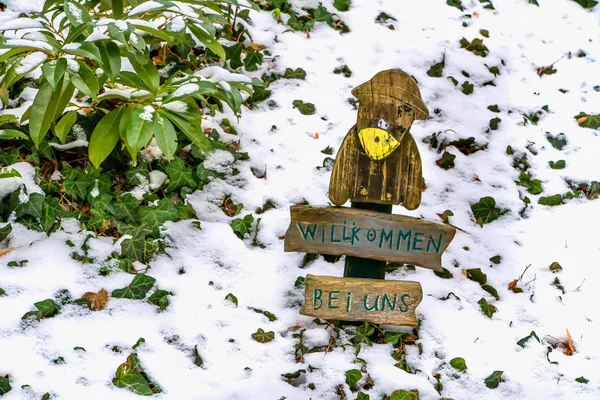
(357, 267)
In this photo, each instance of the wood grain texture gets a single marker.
(390, 101)
(367, 234)
(357, 299)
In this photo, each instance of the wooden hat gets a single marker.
(397, 84)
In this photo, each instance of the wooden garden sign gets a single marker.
(377, 166)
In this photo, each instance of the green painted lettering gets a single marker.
(417, 240)
(323, 234)
(390, 304)
(355, 231)
(371, 235)
(310, 230)
(389, 237)
(331, 298)
(317, 297)
(375, 307)
(344, 237)
(333, 240)
(405, 308)
(437, 247)
(406, 237)
(348, 301)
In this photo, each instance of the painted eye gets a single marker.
(382, 124)
(376, 139)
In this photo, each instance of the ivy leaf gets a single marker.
(352, 377)
(435, 71)
(294, 375)
(304, 108)
(362, 396)
(263, 337)
(455, 3)
(241, 226)
(477, 275)
(47, 308)
(4, 386)
(2, 292)
(581, 379)
(342, 5)
(494, 379)
(586, 3)
(234, 54)
(160, 298)
(560, 164)
(467, 88)
(322, 15)
(136, 247)
(494, 122)
(496, 259)
(154, 217)
(77, 184)
(444, 273)
(137, 289)
(179, 175)
(50, 211)
(554, 200)
(252, 60)
(231, 297)
(486, 210)
(459, 364)
(299, 73)
(588, 121)
(125, 208)
(522, 341)
(33, 207)
(558, 142)
(392, 337)
(135, 382)
(405, 395)
(363, 333)
(270, 316)
(488, 309)
(447, 161)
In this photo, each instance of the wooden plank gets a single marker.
(379, 161)
(356, 299)
(367, 234)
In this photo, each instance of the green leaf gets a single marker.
(560, 164)
(477, 275)
(342, 5)
(5, 231)
(558, 142)
(146, 70)
(363, 333)
(467, 88)
(476, 46)
(33, 207)
(555, 267)
(85, 80)
(447, 161)
(487, 309)
(459, 364)
(304, 108)
(4, 386)
(76, 13)
(234, 55)
(299, 73)
(179, 175)
(522, 341)
(111, 58)
(241, 226)
(581, 379)
(586, 3)
(126, 208)
(86, 50)
(494, 379)
(137, 289)
(588, 121)
(455, 3)
(207, 40)
(554, 200)
(154, 217)
(2, 292)
(362, 396)
(270, 316)
(165, 136)
(352, 377)
(105, 136)
(47, 308)
(494, 108)
(190, 126)
(50, 211)
(77, 184)
(140, 129)
(54, 71)
(444, 274)
(435, 71)
(231, 297)
(322, 15)
(252, 60)
(486, 210)
(135, 382)
(160, 298)
(494, 122)
(294, 375)
(263, 337)
(44, 108)
(496, 259)
(64, 126)
(405, 395)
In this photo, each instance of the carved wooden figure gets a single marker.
(378, 161)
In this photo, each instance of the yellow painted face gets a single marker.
(378, 143)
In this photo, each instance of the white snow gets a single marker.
(30, 61)
(27, 172)
(71, 46)
(20, 23)
(122, 25)
(215, 262)
(185, 89)
(72, 65)
(147, 114)
(177, 24)
(75, 12)
(176, 106)
(36, 44)
(70, 145)
(145, 7)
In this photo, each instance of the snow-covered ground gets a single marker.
(202, 267)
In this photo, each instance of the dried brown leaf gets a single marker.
(513, 284)
(98, 300)
(257, 46)
(5, 251)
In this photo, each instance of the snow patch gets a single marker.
(177, 106)
(219, 161)
(148, 113)
(30, 62)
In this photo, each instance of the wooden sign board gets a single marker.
(367, 234)
(355, 299)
